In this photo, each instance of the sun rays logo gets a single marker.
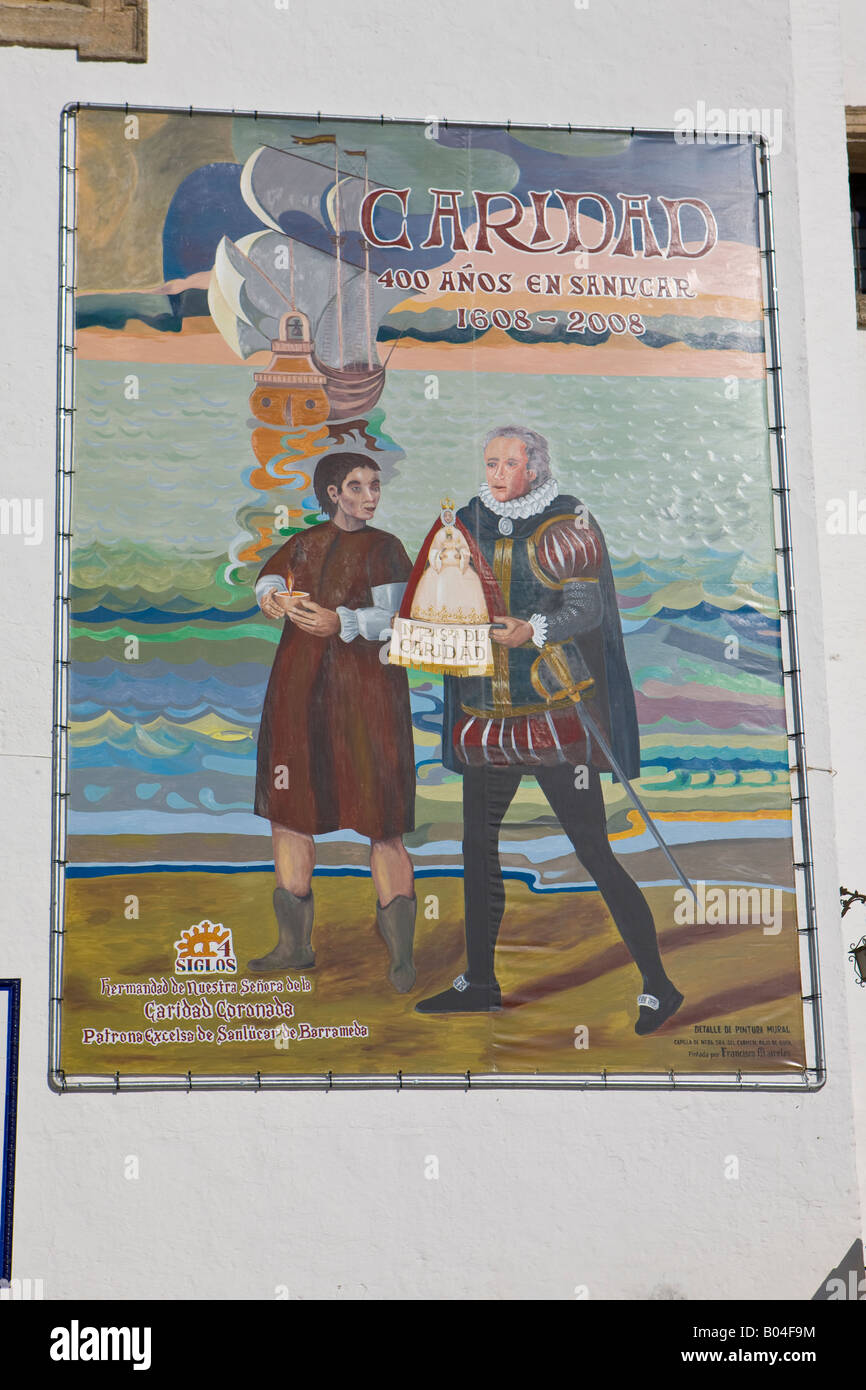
(206, 947)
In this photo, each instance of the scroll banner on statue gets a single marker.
(423, 691)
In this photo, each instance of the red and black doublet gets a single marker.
(555, 564)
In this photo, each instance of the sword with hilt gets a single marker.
(553, 661)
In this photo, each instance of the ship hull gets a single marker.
(351, 391)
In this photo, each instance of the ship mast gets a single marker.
(332, 140)
(362, 154)
(339, 250)
(367, 278)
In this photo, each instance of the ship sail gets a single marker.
(252, 283)
(241, 336)
(283, 189)
(361, 295)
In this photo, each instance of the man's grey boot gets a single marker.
(293, 951)
(396, 924)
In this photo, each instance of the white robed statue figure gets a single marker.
(444, 619)
(449, 590)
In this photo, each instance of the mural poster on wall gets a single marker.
(426, 708)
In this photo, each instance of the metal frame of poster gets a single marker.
(10, 1006)
(238, 289)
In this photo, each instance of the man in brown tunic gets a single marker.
(335, 744)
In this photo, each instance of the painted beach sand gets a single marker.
(562, 966)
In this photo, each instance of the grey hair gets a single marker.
(537, 449)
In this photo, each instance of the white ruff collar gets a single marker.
(530, 504)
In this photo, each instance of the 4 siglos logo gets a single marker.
(205, 948)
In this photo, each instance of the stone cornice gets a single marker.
(100, 30)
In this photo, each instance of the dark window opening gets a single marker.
(855, 120)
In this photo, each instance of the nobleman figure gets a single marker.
(549, 558)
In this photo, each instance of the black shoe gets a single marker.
(655, 1010)
(462, 998)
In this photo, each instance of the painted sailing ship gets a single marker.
(303, 288)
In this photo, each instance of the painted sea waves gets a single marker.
(164, 728)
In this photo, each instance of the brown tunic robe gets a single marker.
(334, 716)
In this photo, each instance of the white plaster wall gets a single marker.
(539, 1192)
(854, 51)
(843, 562)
